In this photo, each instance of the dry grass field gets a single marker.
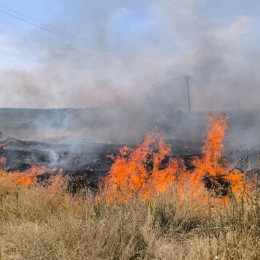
(142, 210)
(39, 222)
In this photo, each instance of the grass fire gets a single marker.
(129, 130)
(149, 200)
(148, 169)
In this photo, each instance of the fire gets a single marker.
(24, 179)
(142, 171)
(213, 169)
(148, 169)
(29, 177)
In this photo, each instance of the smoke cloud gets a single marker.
(134, 61)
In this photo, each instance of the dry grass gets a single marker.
(39, 223)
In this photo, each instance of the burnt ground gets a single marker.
(85, 164)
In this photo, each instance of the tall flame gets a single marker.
(213, 169)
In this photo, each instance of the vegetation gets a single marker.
(49, 223)
(146, 209)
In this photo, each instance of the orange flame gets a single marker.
(149, 170)
(141, 172)
(29, 177)
(144, 171)
(24, 179)
(213, 167)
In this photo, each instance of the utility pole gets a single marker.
(188, 94)
(238, 110)
(190, 138)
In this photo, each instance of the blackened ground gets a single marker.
(85, 165)
(21, 155)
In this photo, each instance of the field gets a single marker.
(149, 205)
(50, 223)
(129, 130)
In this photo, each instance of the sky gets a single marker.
(79, 53)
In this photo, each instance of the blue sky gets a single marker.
(40, 9)
(136, 23)
(124, 44)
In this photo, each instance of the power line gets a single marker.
(51, 29)
(91, 52)
(48, 27)
(22, 28)
(39, 22)
(60, 32)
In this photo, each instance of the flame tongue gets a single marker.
(213, 168)
(212, 151)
